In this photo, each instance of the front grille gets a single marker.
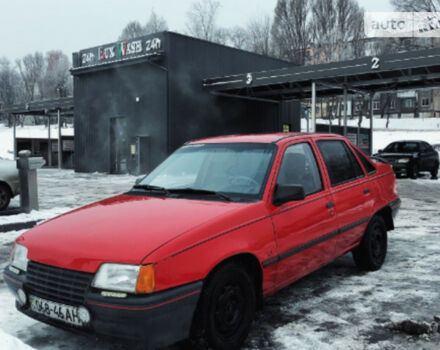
(53, 283)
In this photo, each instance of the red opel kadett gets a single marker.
(192, 248)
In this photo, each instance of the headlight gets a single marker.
(125, 278)
(19, 257)
(403, 160)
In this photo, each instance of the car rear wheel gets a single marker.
(371, 253)
(5, 196)
(434, 172)
(226, 309)
(414, 171)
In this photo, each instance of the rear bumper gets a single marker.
(156, 320)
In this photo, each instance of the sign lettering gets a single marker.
(119, 50)
(153, 45)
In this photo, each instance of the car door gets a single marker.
(428, 157)
(352, 191)
(304, 229)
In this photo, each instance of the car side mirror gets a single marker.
(138, 180)
(380, 151)
(288, 193)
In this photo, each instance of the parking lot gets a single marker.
(337, 307)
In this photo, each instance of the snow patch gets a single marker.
(8, 342)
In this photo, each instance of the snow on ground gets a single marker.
(63, 190)
(8, 342)
(337, 307)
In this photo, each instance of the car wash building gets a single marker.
(138, 100)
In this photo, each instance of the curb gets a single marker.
(18, 226)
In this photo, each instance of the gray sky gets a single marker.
(27, 26)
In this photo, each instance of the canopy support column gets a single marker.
(345, 111)
(14, 125)
(313, 110)
(49, 144)
(60, 143)
(371, 122)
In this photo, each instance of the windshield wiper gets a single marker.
(151, 188)
(188, 190)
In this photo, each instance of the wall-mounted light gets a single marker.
(138, 98)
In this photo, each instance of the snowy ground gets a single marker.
(337, 307)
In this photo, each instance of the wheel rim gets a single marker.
(229, 310)
(378, 245)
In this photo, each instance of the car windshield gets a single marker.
(236, 169)
(402, 147)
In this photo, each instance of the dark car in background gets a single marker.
(411, 157)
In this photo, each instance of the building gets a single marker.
(137, 101)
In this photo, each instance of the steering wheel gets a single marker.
(243, 180)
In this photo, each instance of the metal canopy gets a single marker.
(409, 70)
(43, 108)
(60, 107)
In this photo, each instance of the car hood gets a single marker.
(121, 229)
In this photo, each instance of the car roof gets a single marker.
(259, 138)
(405, 141)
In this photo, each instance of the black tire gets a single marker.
(226, 309)
(5, 196)
(414, 171)
(434, 172)
(371, 253)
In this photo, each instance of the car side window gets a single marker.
(367, 164)
(342, 166)
(299, 167)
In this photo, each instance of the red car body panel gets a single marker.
(122, 229)
(186, 239)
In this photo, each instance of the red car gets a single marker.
(195, 246)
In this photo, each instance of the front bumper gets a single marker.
(401, 168)
(156, 320)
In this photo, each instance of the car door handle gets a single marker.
(366, 190)
(330, 205)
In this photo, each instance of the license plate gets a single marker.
(58, 311)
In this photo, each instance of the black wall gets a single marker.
(173, 107)
(111, 93)
(194, 113)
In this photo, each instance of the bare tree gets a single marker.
(259, 35)
(10, 86)
(238, 37)
(416, 5)
(31, 69)
(337, 29)
(202, 21)
(155, 24)
(291, 30)
(56, 79)
(132, 30)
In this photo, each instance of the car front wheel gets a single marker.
(371, 253)
(226, 309)
(5, 196)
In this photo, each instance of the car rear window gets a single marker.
(342, 165)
